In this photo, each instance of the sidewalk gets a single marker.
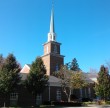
(98, 106)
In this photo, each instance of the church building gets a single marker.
(52, 59)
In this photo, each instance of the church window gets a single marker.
(58, 95)
(38, 99)
(85, 93)
(54, 38)
(56, 68)
(13, 98)
(89, 92)
(55, 49)
(50, 37)
(81, 92)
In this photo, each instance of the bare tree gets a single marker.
(93, 70)
(70, 80)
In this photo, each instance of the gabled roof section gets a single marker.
(28, 65)
(25, 69)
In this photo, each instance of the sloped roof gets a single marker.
(92, 76)
(28, 65)
(25, 69)
(53, 79)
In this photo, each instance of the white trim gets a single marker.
(54, 54)
(53, 42)
(47, 50)
(89, 92)
(38, 99)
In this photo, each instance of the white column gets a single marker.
(49, 92)
(89, 92)
(85, 93)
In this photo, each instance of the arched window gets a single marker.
(55, 49)
(54, 38)
(50, 37)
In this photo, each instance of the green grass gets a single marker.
(107, 102)
(100, 102)
(88, 103)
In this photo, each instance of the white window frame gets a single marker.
(13, 96)
(81, 92)
(38, 99)
(89, 92)
(85, 92)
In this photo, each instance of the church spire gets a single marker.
(52, 22)
(51, 34)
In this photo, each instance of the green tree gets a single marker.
(37, 78)
(1, 61)
(73, 65)
(9, 74)
(70, 80)
(102, 88)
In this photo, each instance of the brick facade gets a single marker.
(49, 47)
(25, 98)
(46, 60)
(52, 58)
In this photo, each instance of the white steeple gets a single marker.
(51, 34)
(52, 22)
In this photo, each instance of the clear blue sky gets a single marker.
(82, 26)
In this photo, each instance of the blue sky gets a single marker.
(82, 26)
